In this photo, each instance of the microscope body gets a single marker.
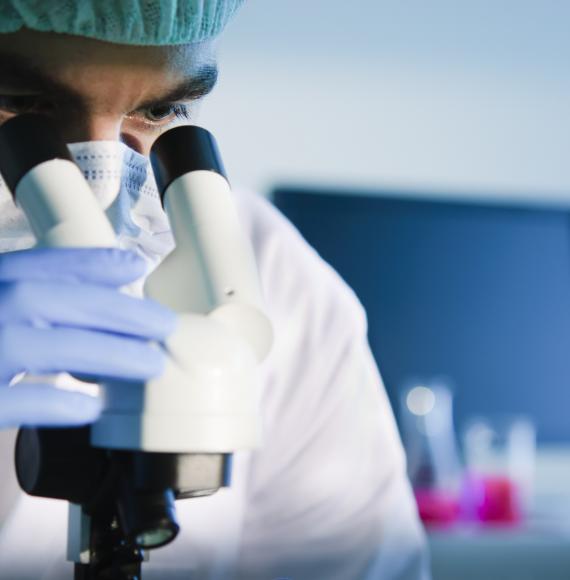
(206, 400)
(171, 437)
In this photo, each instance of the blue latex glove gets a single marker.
(61, 311)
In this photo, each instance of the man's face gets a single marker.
(102, 91)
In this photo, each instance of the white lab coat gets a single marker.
(326, 496)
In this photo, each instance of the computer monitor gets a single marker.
(477, 292)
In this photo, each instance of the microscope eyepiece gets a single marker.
(182, 150)
(26, 141)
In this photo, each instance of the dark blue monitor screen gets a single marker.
(477, 292)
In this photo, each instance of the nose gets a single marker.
(99, 127)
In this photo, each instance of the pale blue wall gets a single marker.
(433, 94)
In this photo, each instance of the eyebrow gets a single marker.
(192, 88)
(21, 73)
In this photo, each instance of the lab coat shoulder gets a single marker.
(328, 495)
(294, 277)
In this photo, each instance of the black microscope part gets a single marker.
(148, 519)
(182, 150)
(26, 141)
(59, 464)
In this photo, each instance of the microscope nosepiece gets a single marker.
(149, 519)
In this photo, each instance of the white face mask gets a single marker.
(123, 182)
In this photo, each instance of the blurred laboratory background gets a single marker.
(421, 147)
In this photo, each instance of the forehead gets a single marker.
(61, 55)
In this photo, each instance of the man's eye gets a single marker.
(166, 113)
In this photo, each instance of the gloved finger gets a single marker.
(36, 404)
(106, 266)
(87, 306)
(45, 351)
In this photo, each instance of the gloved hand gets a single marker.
(60, 310)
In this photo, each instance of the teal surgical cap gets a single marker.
(139, 22)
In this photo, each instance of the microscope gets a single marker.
(172, 437)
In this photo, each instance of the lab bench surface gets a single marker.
(500, 554)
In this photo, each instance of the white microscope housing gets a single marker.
(206, 400)
(171, 437)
